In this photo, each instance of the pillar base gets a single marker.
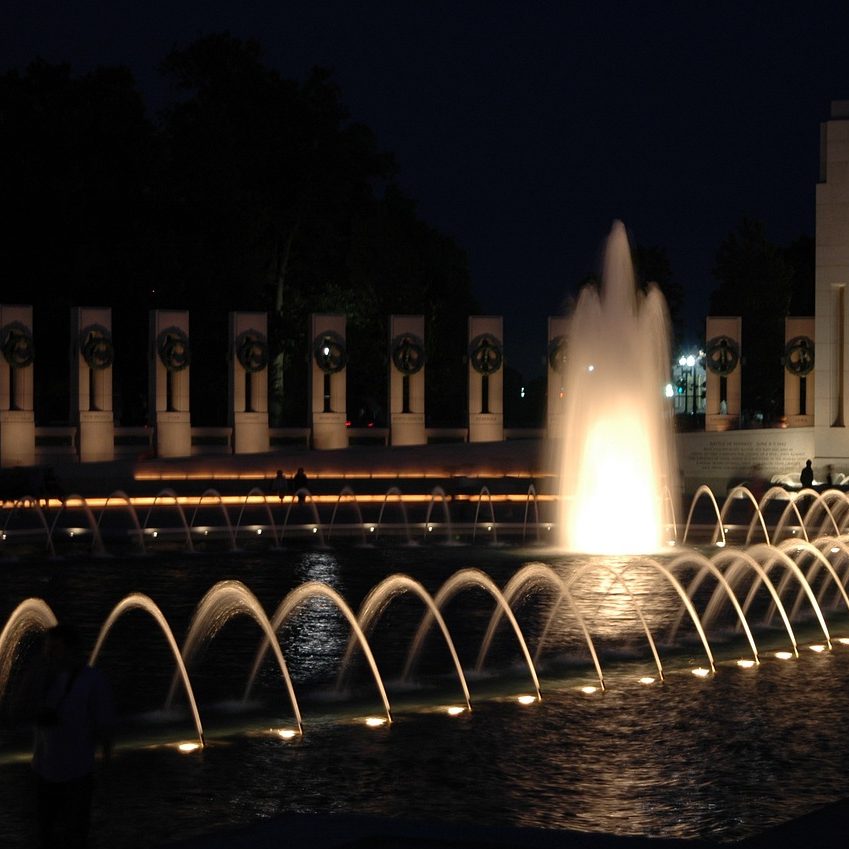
(250, 433)
(715, 423)
(17, 438)
(96, 436)
(173, 435)
(329, 431)
(407, 429)
(486, 427)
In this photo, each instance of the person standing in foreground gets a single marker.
(74, 714)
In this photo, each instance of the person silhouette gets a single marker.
(279, 484)
(299, 482)
(806, 476)
(73, 716)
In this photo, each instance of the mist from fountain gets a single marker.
(617, 452)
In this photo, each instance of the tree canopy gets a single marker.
(249, 191)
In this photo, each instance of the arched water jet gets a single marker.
(169, 493)
(771, 494)
(740, 562)
(214, 493)
(257, 491)
(709, 567)
(139, 601)
(347, 492)
(286, 607)
(223, 601)
(461, 579)
(531, 499)
(742, 492)
(619, 579)
(31, 614)
(376, 602)
(537, 572)
(791, 507)
(772, 555)
(393, 490)
(438, 492)
(818, 503)
(719, 528)
(75, 501)
(485, 491)
(28, 502)
(819, 561)
(120, 494)
(836, 545)
(304, 496)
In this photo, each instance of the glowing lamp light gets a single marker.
(70, 533)
(315, 530)
(589, 690)
(489, 527)
(668, 391)
(326, 351)
(189, 747)
(259, 532)
(155, 534)
(700, 672)
(745, 663)
(784, 655)
(371, 529)
(526, 700)
(375, 721)
(818, 647)
(455, 710)
(835, 550)
(671, 543)
(286, 733)
(647, 679)
(590, 367)
(843, 641)
(4, 536)
(430, 528)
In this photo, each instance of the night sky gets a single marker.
(524, 129)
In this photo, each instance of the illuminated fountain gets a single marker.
(617, 453)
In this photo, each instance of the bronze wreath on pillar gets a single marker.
(329, 352)
(17, 345)
(173, 348)
(252, 350)
(485, 354)
(408, 353)
(557, 354)
(722, 355)
(799, 356)
(96, 346)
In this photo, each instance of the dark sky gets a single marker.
(525, 128)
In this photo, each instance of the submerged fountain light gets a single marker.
(843, 641)
(454, 710)
(745, 663)
(647, 679)
(589, 689)
(526, 700)
(285, 733)
(818, 647)
(700, 672)
(784, 655)
(375, 721)
(188, 747)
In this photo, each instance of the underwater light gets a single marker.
(818, 647)
(700, 672)
(375, 721)
(720, 543)
(745, 663)
(187, 748)
(285, 733)
(589, 689)
(843, 641)
(784, 655)
(526, 700)
(647, 679)
(455, 710)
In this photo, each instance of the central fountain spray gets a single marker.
(618, 457)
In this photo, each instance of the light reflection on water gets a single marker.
(719, 757)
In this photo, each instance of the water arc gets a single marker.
(30, 614)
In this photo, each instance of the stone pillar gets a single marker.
(799, 371)
(556, 367)
(407, 380)
(832, 278)
(92, 354)
(170, 357)
(249, 381)
(723, 373)
(486, 379)
(328, 381)
(17, 416)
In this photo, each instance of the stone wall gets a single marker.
(717, 459)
